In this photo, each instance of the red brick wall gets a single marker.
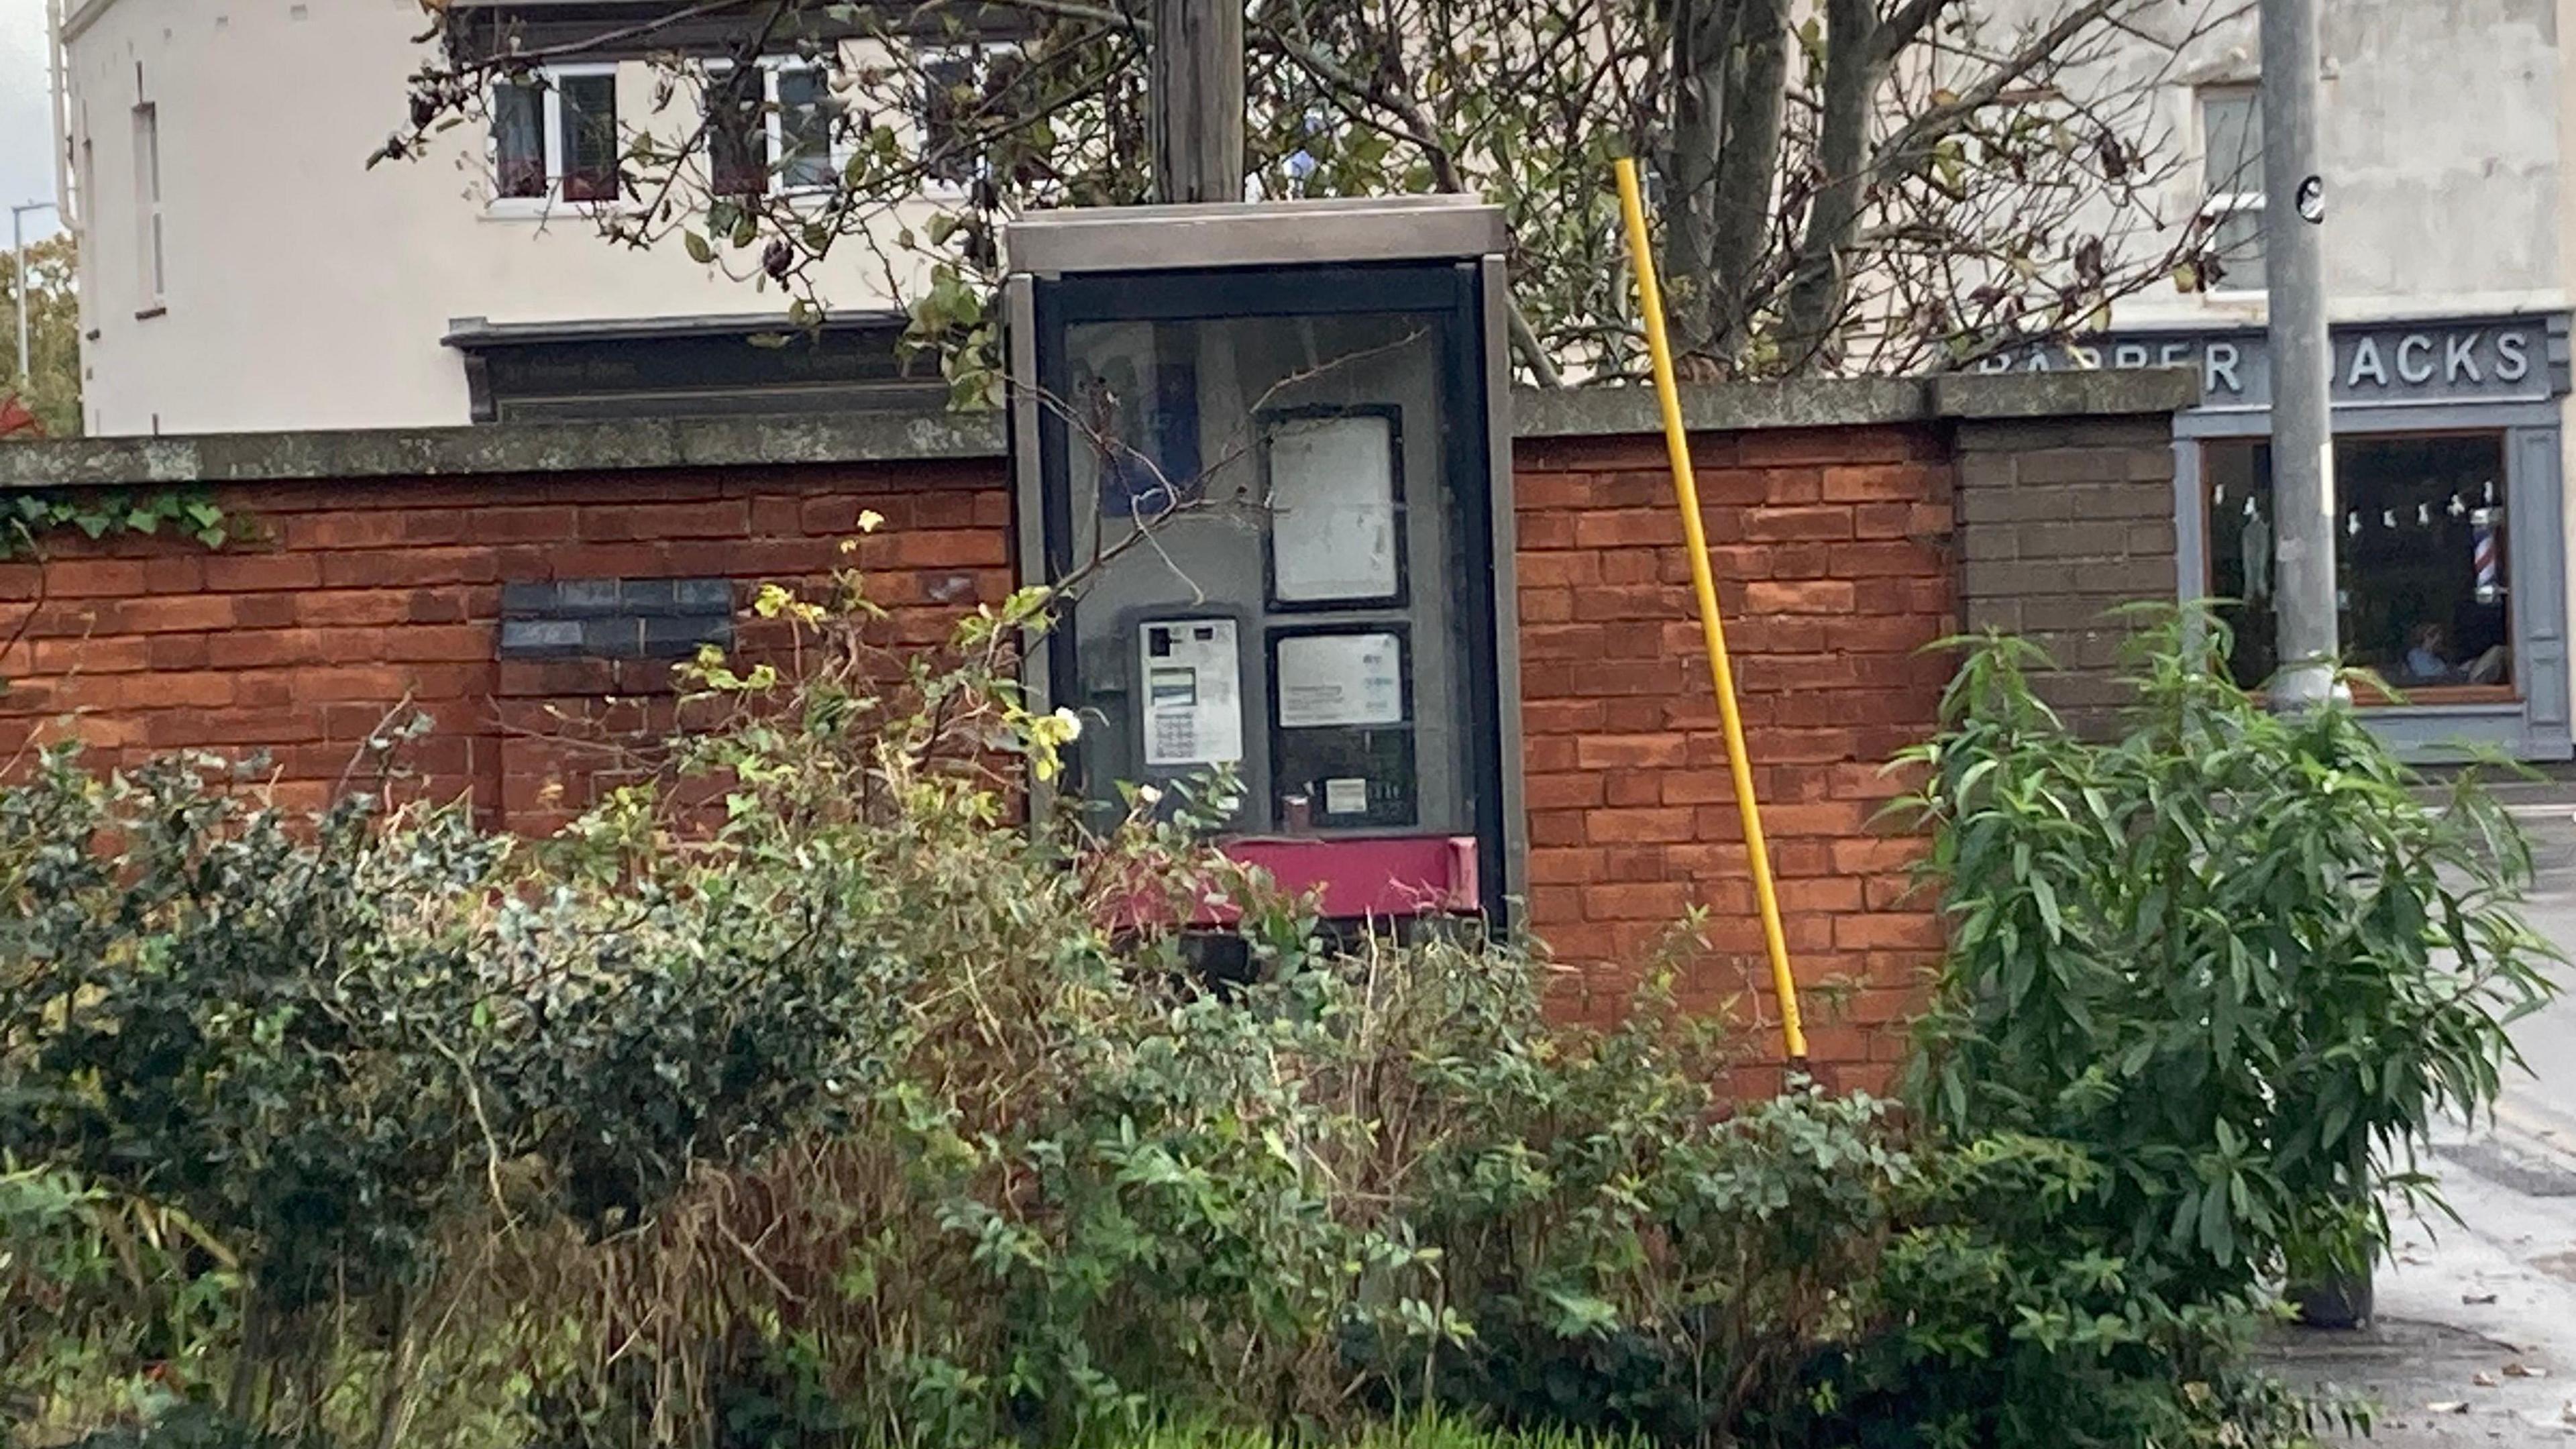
(1831, 555)
(1829, 548)
(359, 595)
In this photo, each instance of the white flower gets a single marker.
(1069, 722)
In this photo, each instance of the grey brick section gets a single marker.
(614, 618)
(2060, 521)
(540, 638)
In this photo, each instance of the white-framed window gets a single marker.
(151, 272)
(554, 137)
(2231, 146)
(782, 137)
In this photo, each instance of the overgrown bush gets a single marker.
(809, 1096)
(2248, 959)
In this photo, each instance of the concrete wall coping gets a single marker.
(581, 447)
(1859, 402)
(700, 442)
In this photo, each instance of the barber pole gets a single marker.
(2482, 554)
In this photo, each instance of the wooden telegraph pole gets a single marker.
(1197, 100)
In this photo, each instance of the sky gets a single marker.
(26, 136)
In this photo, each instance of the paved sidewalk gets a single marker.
(2475, 1339)
(2466, 1303)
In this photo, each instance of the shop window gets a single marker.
(2420, 559)
(2231, 143)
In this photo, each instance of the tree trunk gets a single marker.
(1748, 169)
(1197, 100)
(1816, 288)
(1703, 44)
(1730, 67)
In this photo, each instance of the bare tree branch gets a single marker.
(1904, 27)
(1900, 186)
(1418, 127)
(1943, 118)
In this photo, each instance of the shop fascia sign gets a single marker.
(2380, 364)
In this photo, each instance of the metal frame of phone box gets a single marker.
(1419, 254)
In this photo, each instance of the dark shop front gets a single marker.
(2451, 554)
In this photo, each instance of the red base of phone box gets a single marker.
(1379, 878)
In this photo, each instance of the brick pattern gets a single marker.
(1832, 550)
(2060, 522)
(1832, 564)
(359, 597)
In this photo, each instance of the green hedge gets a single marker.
(805, 1095)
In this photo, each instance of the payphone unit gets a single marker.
(1265, 445)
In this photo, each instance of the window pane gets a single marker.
(2236, 484)
(738, 139)
(519, 140)
(2231, 134)
(2420, 556)
(805, 116)
(948, 102)
(147, 197)
(2423, 559)
(2236, 240)
(589, 140)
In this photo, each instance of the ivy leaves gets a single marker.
(186, 513)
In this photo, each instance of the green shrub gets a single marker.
(1629, 1250)
(804, 1094)
(2235, 954)
(222, 1021)
(2001, 1314)
(103, 1305)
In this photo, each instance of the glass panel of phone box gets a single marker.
(1265, 541)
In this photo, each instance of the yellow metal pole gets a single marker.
(1721, 673)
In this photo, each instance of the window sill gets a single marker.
(803, 200)
(157, 309)
(2431, 696)
(2436, 694)
(539, 209)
